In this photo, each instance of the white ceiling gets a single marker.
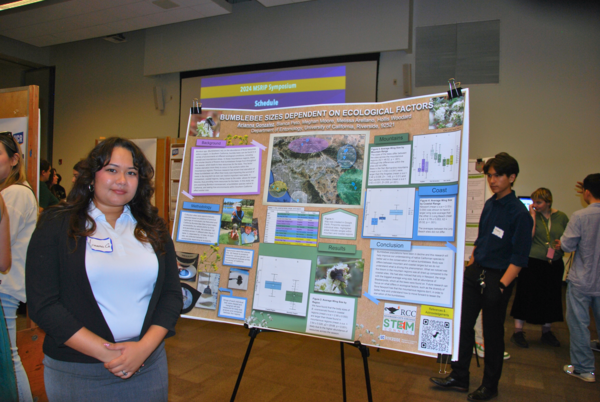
(53, 23)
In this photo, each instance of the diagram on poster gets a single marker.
(316, 168)
(389, 212)
(282, 285)
(436, 158)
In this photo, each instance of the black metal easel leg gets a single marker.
(364, 351)
(343, 370)
(252, 335)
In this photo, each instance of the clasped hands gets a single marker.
(127, 358)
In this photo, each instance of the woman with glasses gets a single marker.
(21, 207)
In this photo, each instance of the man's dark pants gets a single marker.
(493, 304)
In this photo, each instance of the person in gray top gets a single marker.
(582, 236)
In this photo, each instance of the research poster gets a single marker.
(347, 222)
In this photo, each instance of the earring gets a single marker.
(91, 188)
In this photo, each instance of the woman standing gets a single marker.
(21, 207)
(538, 298)
(103, 283)
(47, 199)
(53, 184)
(58, 190)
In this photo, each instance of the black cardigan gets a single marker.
(60, 298)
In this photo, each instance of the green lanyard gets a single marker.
(547, 227)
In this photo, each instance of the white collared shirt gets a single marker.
(122, 272)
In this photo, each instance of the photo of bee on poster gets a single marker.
(339, 275)
(238, 279)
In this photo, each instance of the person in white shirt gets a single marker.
(103, 283)
(22, 210)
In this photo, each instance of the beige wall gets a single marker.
(545, 110)
(255, 34)
(101, 92)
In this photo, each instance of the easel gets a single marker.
(364, 351)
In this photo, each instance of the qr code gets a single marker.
(435, 335)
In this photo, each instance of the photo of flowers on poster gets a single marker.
(205, 124)
(339, 275)
(446, 113)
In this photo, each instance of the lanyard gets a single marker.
(547, 226)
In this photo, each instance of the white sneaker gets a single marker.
(587, 377)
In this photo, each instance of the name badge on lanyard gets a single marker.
(102, 245)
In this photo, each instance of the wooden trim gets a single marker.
(33, 138)
(159, 176)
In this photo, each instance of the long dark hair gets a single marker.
(150, 228)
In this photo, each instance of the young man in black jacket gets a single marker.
(501, 250)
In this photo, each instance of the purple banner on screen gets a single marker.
(277, 100)
(321, 72)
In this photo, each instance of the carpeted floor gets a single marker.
(205, 359)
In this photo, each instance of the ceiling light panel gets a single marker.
(81, 19)
(16, 4)
(274, 3)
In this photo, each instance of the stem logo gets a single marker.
(399, 318)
